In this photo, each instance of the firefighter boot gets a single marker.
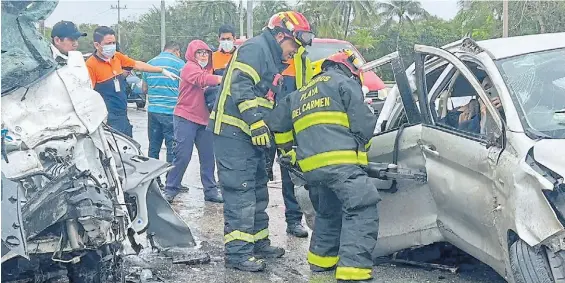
(263, 249)
(250, 265)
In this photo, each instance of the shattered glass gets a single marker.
(26, 55)
(537, 83)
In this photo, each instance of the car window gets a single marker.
(458, 108)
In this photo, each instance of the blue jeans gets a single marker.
(159, 128)
(187, 134)
(120, 123)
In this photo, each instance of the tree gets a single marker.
(401, 11)
(263, 11)
(337, 18)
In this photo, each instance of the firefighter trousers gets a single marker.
(345, 237)
(243, 179)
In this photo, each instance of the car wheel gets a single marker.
(529, 264)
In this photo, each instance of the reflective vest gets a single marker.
(300, 67)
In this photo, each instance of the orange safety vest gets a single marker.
(220, 60)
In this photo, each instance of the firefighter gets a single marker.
(324, 129)
(296, 75)
(247, 96)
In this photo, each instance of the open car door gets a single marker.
(459, 158)
(407, 211)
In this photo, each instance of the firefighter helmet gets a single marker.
(346, 57)
(293, 24)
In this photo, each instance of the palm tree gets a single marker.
(328, 15)
(401, 11)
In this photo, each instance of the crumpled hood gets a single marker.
(551, 154)
(195, 45)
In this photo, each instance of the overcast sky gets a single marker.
(100, 12)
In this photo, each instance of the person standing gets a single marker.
(162, 94)
(247, 96)
(298, 73)
(190, 119)
(226, 48)
(64, 38)
(331, 108)
(106, 68)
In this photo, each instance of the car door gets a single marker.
(407, 211)
(460, 165)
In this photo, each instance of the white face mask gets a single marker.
(226, 45)
(203, 64)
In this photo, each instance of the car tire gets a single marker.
(529, 264)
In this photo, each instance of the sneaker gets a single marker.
(268, 252)
(250, 265)
(297, 230)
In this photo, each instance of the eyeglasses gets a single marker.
(202, 52)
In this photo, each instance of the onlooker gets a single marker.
(106, 72)
(64, 38)
(162, 94)
(222, 56)
(190, 120)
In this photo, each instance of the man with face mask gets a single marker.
(222, 56)
(247, 96)
(106, 67)
(189, 121)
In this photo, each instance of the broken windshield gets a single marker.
(26, 55)
(536, 82)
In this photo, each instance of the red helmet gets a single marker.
(347, 58)
(293, 24)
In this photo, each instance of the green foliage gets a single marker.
(375, 28)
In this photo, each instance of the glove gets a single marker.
(169, 75)
(289, 157)
(260, 135)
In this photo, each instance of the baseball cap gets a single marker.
(65, 29)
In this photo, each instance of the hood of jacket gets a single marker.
(195, 45)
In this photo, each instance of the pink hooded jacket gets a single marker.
(191, 104)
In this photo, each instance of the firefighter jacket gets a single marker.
(330, 125)
(243, 98)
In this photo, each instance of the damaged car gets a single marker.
(75, 193)
(485, 122)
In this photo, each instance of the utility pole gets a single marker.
(249, 18)
(119, 19)
(241, 19)
(504, 18)
(163, 32)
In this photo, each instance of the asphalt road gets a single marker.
(206, 223)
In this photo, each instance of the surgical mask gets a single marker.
(226, 45)
(109, 50)
(203, 64)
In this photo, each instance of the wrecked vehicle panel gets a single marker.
(67, 178)
(494, 188)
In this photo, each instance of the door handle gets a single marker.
(430, 148)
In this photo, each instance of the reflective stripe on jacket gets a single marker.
(242, 101)
(328, 122)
